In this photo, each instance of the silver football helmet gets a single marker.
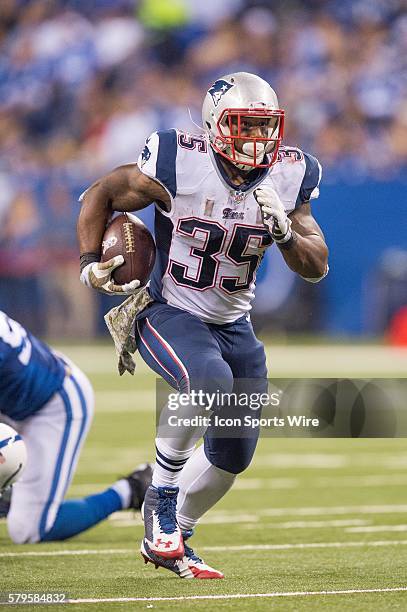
(236, 109)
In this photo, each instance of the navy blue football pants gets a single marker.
(190, 354)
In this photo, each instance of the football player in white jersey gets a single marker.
(221, 198)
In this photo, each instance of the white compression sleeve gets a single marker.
(201, 485)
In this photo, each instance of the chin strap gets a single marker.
(241, 158)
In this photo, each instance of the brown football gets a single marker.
(128, 236)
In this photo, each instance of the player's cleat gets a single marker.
(162, 534)
(178, 566)
(190, 566)
(197, 565)
(139, 481)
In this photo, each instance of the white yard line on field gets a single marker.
(326, 461)
(371, 480)
(246, 547)
(236, 596)
(376, 528)
(308, 524)
(249, 484)
(323, 510)
(70, 553)
(300, 545)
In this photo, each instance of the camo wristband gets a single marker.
(87, 258)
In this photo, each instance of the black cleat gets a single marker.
(139, 481)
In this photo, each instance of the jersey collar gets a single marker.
(254, 178)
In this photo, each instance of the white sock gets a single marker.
(123, 490)
(169, 463)
(201, 485)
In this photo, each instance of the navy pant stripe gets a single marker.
(166, 374)
(167, 349)
(163, 355)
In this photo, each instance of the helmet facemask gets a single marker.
(235, 140)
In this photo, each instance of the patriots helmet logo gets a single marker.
(218, 89)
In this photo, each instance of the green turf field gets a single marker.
(308, 516)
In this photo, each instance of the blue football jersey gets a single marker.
(30, 373)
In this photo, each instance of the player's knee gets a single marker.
(22, 531)
(212, 376)
(231, 455)
(235, 465)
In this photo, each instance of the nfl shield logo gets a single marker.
(218, 89)
(237, 197)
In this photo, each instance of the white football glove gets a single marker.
(273, 214)
(97, 275)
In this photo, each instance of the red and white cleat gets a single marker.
(190, 566)
(197, 565)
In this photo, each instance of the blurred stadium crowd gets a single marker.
(82, 83)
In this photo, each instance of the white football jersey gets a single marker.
(210, 245)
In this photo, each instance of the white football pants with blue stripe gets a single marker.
(54, 437)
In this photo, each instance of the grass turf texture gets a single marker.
(350, 493)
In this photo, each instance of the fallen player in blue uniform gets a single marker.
(50, 402)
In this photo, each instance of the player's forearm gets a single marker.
(93, 217)
(112, 192)
(306, 255)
